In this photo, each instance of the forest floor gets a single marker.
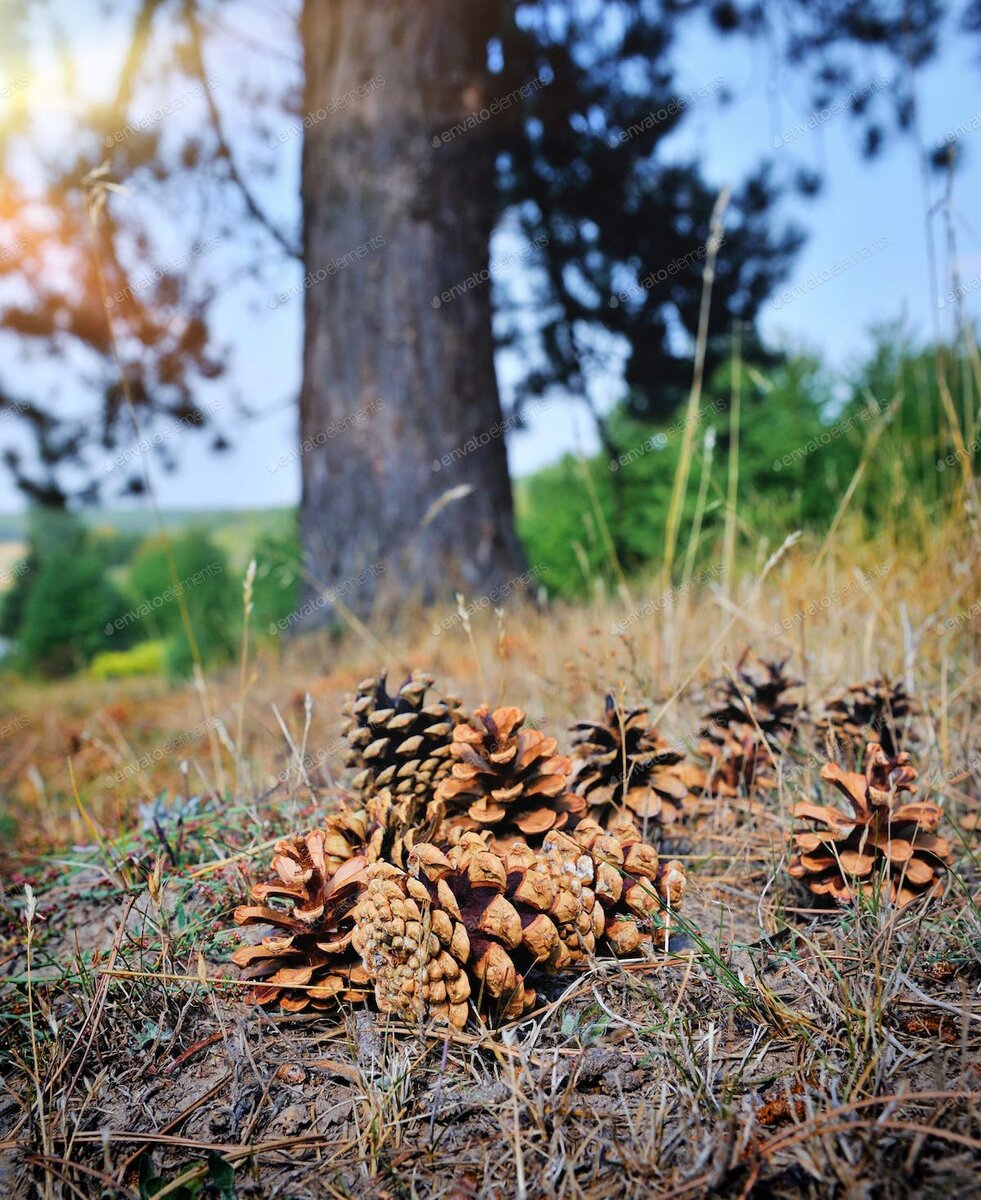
(774, 1050)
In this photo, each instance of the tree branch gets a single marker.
(224, 149)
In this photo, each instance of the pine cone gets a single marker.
(315, 946)
(468, 924)
(631, 883)
(399, 745)
(622, 760)
(739, 763)
(885, 836)
(507, 779)
(755, 701)
(347, 833)
(873, 710)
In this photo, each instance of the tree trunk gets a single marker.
(399, 402)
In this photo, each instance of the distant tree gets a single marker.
(67, 611)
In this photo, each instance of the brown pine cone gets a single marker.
(755, 701)
(468, 924)
(739, 763)
(871, 711)
(399, 745)
(885, 837)
(506, 779)
(312, 963)
(622, 760)
(637, 891)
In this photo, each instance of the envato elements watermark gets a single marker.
(660, 603)
(466, 610)
(13, 407)
(479, 440)
(825, 114)
(16, 571)
(672, 109)
(16, 245)
(150, 119)
(333, 430)
(198, 250)
(152, 440)
(494, 109)
(476, 278)
(327, 598)
(945, 626)
(15, 86)
(352, 96)
(657, 441)
(662, 274)
(162, 598)
(152, 757)
(9, 728)
(821, 277)
(835, 596)
(316, 758)
(957, 455)
(832, 433)
(312, 278)
(959, 131)
(959, 292)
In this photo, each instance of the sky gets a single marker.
(868, 222)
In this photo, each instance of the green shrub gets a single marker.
(277, 581)
(69, 615)
(801, 440)
(147, 658)
(212, 596)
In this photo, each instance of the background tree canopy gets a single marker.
(612, 229)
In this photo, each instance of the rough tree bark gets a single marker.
(396, 380)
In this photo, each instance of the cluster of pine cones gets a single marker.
(474, 858)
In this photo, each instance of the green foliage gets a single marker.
(64, 613)
(917, 465)
(13, 602)
(277, 580)
(209, 590)
(115, 547)
(801, 441)
(146, 658)
(69, 612)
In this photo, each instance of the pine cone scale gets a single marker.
(885, 835)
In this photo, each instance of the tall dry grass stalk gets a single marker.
(712, 246)
(732, 479)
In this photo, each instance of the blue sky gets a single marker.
(871, 214)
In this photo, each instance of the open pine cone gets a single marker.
(755, 701)
(739, 763)
(887, 836)
(399, 745)
(506, 779)
(466, 926)
(871, 711)
(311, 964)
(751, 715)
(622, 760)
(638, 892)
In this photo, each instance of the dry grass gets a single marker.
(778, 1051)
